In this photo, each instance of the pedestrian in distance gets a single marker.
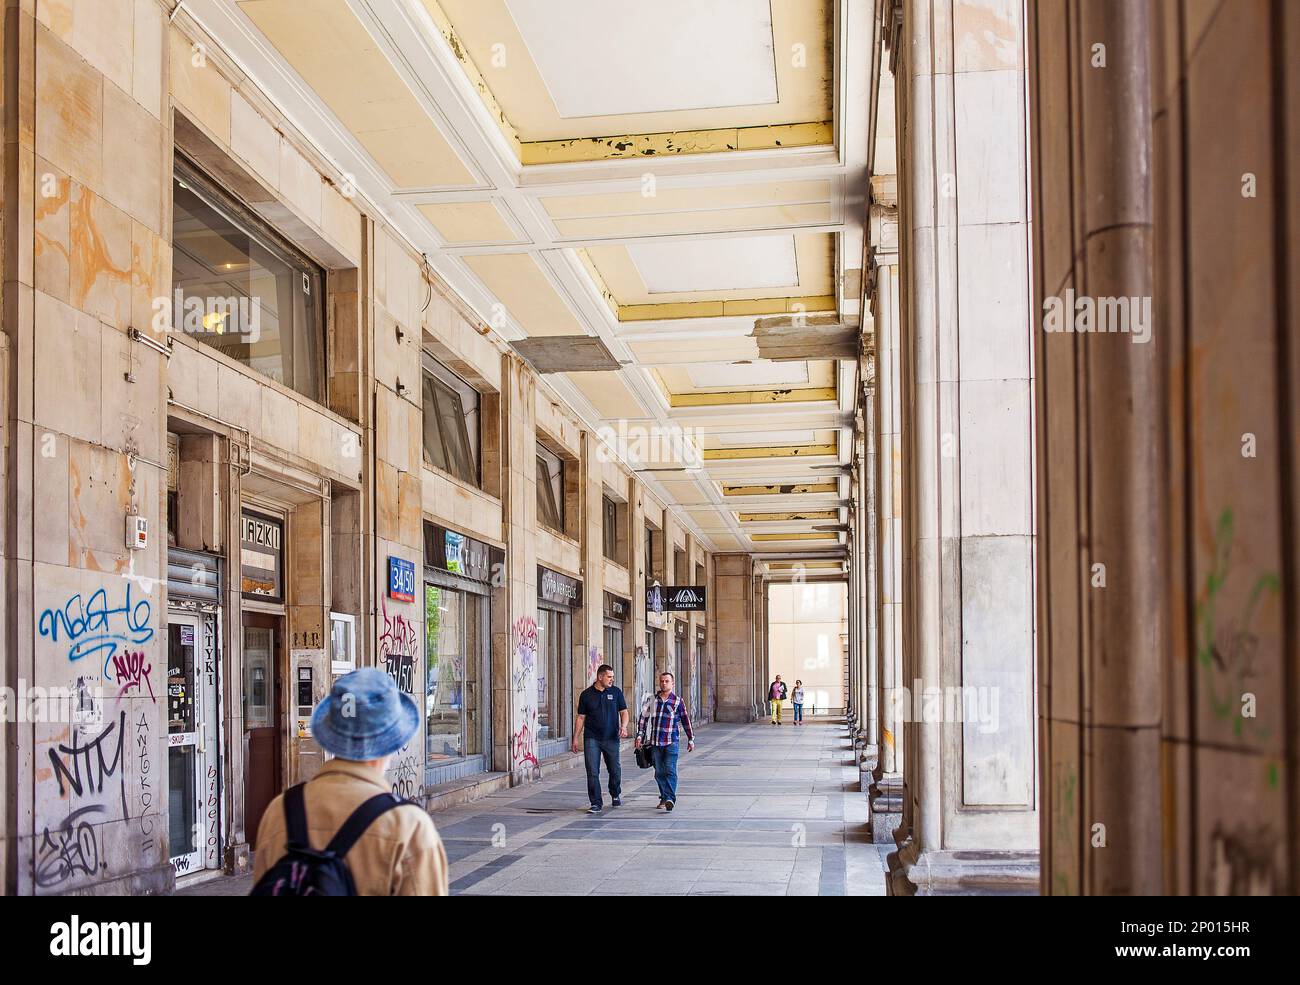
(602, 721)
(797, 701)
(663, 715)
(343, 832)
(776, 693)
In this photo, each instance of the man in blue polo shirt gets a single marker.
(602, 721)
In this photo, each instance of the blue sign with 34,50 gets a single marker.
(401, 579)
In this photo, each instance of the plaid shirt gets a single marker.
(668, 712)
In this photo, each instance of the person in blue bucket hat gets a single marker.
(391, 847)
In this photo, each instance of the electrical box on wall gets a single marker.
(137, 532)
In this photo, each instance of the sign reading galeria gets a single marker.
(675, 598)
(261, 556)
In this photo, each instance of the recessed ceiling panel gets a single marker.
(762, 373)
(751, 263)
(766, 438)
(672, 55)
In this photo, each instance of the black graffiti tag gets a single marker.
(91, 756)
(71, 849)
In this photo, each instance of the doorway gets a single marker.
(263, 777)
(192, 739)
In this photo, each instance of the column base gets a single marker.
(966, 873)
(886, 795)
(734, 713)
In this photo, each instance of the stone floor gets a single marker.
(763, 811)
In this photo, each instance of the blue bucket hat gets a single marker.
(364, 716)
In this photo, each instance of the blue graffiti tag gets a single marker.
(92, 628)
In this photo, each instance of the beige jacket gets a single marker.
(399, 855)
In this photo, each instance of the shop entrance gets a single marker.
(457, 630)
(194, 790)
(263, 779)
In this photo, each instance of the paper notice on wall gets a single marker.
(187, 635)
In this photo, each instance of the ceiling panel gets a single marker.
(691, 266)
(517, 280)
(330, 49)
(520, 59)
(469, 222)
(688, 55)
(725, 261)
(760, 373)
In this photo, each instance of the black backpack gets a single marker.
(304, 871)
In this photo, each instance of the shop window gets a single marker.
(454, 638)
(550, 488)
(241, 289)
(451, 422)
(553, 630)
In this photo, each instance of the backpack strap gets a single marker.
(360, 819)
(295, 818)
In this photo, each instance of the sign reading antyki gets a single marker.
(675, 598)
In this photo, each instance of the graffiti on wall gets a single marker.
(523, 742)
(408, 781)
(84, 769)
(1226, 643)
(1245, 861)
(97, 626)
(397, 645)
(71, 849)
(144, 796)
(100, 768)
(130, 670)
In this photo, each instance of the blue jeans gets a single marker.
(592, 750)
(798, 712)
(665, 760)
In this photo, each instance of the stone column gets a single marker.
(1170, 478)
(863, 585)
(968, 430)
(887, 785)
(515, 691)
(733, 623)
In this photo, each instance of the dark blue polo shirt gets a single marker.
(601, 709)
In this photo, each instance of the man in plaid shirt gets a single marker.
(657, 727)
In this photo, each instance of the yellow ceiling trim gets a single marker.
(772, 451)
(675, 143)
(719, 309)
(787, 517)
(605, 294)
(698, 221)
(665, 198)
(443, 23)
(784, 396)
(792, 565)
(795, 489)
(771, 537)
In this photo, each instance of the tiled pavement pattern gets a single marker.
(764, 810)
